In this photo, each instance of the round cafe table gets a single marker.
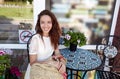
(80, 60)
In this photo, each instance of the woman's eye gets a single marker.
(49, 22)
(41, 22)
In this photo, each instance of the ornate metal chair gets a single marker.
(109, 51)
(28, 47)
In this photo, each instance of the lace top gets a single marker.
(42, 48)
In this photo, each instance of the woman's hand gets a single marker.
(62, 63)
(55, 63)
(59, 65)
(62, 67)
(60, 58)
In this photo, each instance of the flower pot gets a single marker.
(73, 47)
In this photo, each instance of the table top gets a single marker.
(81, 59)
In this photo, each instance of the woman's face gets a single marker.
(46, 24)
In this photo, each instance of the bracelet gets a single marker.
(61, 57)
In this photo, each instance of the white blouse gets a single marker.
(42, 48)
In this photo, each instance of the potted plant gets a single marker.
(73, 38)
(6, 70)
(4, 62)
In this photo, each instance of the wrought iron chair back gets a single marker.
(106, 75)
(114, 62)
(28, 47)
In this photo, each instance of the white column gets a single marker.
(114, 20)
(106, 68)
(38, 6)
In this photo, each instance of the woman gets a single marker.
(45, 42)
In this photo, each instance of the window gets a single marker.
(92, 17)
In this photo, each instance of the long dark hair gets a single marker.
(55, 31)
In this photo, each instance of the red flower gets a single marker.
(15, 70)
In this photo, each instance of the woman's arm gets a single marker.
(62, 64)
(33, 59)
(59, 56)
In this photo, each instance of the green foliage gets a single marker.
(5, 60)
(15, 2)
(16, 13)
(75, 38)
(4, 63)
(30, 1)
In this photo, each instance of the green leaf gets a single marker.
(75, 36)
